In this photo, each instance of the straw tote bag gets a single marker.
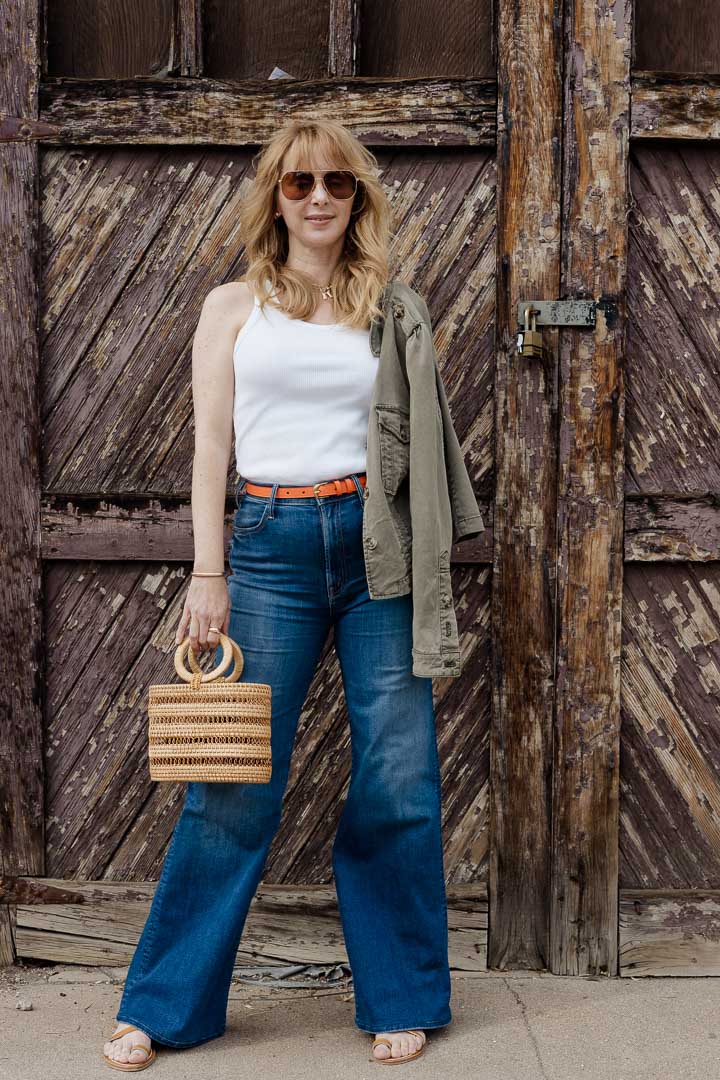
(209, 727)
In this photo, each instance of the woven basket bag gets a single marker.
(209, 727)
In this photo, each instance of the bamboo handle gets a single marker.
(230, 649)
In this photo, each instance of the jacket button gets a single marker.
(398, 310)
(371, 542)
(366, 493)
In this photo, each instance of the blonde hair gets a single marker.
(363, 269)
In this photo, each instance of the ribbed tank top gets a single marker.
(302, 398)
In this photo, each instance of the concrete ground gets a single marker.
(518, 1026)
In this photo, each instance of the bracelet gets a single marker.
(209, 573)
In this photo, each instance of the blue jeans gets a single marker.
(297, 570)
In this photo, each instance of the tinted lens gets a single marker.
(297, 185)
(341, 184)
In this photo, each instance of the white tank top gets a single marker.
(302, 398)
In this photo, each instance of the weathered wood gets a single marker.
(380, 112)
(672, 529)
(669, 932)
(147, 528)
(246, 40)
(584, 879)
(108, 529)
(426, 112)
(21, 660)
(8, 951)
(524, 537)
(188, 39)
(112, 634)
(666, 106)
(657, 529)
(677, 36)
(107, 39)
(412, 38)
(670, 779)
(157, 231)
(673, 391)
(670, 805)
(99, 922)
(342, 44)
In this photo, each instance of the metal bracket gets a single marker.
(26, 129)
(559, 312)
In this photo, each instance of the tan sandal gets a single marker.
(131, 1066)
(407, 1057)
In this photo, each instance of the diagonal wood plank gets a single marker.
(670, 765)
(673, 392)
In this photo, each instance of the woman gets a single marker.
(283, 359)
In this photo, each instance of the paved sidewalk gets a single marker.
(521, 1026)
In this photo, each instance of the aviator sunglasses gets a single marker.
(339, 184)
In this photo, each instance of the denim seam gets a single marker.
(241, 530)
(441, 857)
(341, 583)
(151, 921)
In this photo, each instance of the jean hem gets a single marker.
(162, 1039)
(422, 1025)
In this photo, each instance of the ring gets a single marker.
(215, 628)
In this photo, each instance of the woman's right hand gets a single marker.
(207, 604)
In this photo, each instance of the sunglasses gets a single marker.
(339, 184)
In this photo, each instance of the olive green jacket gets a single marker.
(419, 499)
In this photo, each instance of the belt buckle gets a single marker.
(337, 484)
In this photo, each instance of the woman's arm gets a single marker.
(224, 311)
(213, 388)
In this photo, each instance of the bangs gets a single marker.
(309, 148)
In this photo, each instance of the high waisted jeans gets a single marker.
(298, 569)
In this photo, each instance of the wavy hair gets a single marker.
(363, 269)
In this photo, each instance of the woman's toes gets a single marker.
(404, 1047)
(119, 1049)
(402, 1044)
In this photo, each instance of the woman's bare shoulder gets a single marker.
(233, 302)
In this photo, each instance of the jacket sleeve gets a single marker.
(435, 646)
(466, 517)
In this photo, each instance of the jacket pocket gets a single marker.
(394, 433)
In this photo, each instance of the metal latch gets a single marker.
(534, 313)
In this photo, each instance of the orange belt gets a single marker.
(325, 487)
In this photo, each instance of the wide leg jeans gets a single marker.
(298, 569)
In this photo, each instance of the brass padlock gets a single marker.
(530, 339)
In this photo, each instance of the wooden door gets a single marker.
(127, 164)
(604, 763)
(669, 839)
(528, 155)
